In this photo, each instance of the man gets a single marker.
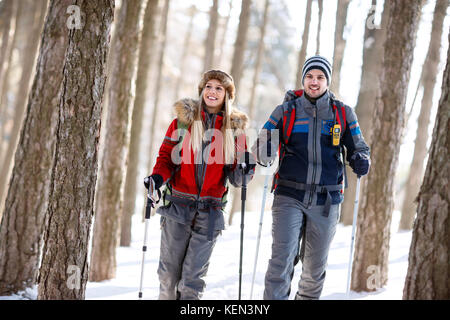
(308, 186)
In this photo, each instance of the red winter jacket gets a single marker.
(198, 181)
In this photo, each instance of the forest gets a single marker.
(86, 95)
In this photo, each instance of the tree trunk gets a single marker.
(185, 53)
(162, 49)
(374, 222)
(5, 84)
(339, 45)
(428, 275)
(145, 57)
(64, 271)
(220, 54)
(6, 24)
(111, 179)
(237, 64)
(26, 200)
(374, 39)
(28, 30)
(319, 25)
(236, 73)
(302, 53)
(259, 59)
(210, 41)
(428, 80)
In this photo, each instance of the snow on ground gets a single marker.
(223, 274)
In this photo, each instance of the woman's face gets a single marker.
(214, 95)
(315, 83)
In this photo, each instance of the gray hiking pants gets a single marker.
(289, 217)
(184, 260)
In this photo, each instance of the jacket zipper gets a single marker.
(204, 163)
(314, 156)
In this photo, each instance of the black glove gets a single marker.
(153, 183)
(360, 164)
(249, 162)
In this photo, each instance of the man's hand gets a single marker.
(360, 164)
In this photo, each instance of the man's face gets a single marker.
(315, 83)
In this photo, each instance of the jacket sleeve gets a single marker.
(164, 165)
(266, 146)
(353, 138)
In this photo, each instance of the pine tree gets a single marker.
(374, 221)
(428, 275)
(109, 196)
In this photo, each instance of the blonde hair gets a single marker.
(198, 130)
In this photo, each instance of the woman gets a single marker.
(195, 160)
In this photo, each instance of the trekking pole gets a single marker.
(243, 197)
(263, 204)
(148, 209)
(355, 217)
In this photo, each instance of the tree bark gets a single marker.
(236, 72)
(372, 238)
(374, 39)
(302, 53)
(339, 45)
(146, 53)
(109, 197)
(210, 41)
(428, 275)
(64, 270)
(428, 80)
(28, 29)
(26, 201)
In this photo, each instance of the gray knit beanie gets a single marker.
(317, 62)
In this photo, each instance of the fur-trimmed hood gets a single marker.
(185, 112)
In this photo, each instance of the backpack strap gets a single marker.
(339, 108)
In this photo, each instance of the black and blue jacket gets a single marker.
(309, 160)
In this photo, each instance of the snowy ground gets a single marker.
(223, 275)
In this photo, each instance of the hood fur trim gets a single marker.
(185, 112)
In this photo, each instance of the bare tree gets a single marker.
(374, 38)
(109, 195)
(64, 270)
(428, 81)
(302, 53)
(6, 24)
(428, 275)
(160, 61)
(319, 25)
(146, 53)
(210, 40)
(219, 56)
(237, 63)
(339, 45)
(237, 66)
(185, 52)
(26, 201)
(374, 221)
(259, 59)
